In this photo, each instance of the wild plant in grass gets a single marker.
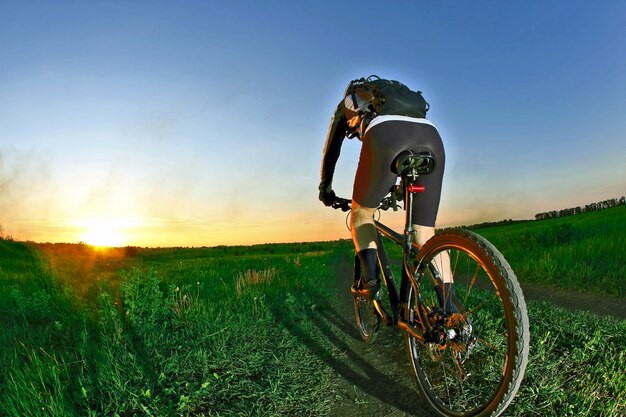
(143, 299)
(295, 260)
(114, 320)
(184, 303)
(251, 278)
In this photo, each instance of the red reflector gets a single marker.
(416, 188)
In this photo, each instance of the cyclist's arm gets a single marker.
(334, 138)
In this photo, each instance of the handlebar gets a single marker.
(346, 205)
(342, 203)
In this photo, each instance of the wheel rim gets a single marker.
(462, 367)
(366, 320)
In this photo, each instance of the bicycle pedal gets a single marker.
(359, 292)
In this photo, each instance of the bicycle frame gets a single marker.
(409, 249)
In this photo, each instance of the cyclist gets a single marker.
(385, 127)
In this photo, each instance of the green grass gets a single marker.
(577, 365)
(17, 258)
(182, 334)
(236, 331)
(585, 252)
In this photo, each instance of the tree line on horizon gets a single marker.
(613, 202)
(601, 205)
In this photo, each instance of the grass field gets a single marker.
(242, 330)
(585, 252)
(183, 332)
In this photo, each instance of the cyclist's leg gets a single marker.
(422, 234)
(372, 181)
(362, 227)
(364, 237)
(442, 260)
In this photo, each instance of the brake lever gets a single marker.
(341, 203)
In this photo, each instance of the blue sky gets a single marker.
(204, 123)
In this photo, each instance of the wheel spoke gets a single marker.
(469, 289)
(456, 261)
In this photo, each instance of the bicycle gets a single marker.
(470, 359)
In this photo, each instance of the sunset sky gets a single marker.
(202, 123)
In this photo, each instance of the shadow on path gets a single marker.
(371, 379)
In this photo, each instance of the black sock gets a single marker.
(368, 264)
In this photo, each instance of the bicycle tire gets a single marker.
(473, 362)
(367, 321)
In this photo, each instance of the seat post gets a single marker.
(408, 216)
(410, 165)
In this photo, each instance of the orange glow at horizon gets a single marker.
(136, 230)
(105, 232)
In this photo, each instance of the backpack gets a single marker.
(384, 97)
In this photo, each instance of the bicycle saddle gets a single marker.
(421, 162)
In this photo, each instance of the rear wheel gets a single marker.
(472, 359)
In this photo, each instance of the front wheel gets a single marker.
(473, 351)
(367, 319)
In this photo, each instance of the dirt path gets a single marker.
(375, 380)
(577, 301)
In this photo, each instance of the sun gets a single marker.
(104, 233)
